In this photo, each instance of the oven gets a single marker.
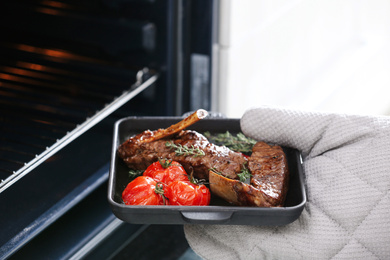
(68, 71)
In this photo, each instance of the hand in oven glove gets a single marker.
(346, 161)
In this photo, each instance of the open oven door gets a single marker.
(68, 71)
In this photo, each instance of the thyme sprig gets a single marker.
(159, 189)
(238, 143)
(135, 173)
(244, 174)
(165, 163)
(185, 150)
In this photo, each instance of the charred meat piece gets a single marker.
(269, 168)
(267, 165)
(237, 192)
(139, 155)
(269, 181)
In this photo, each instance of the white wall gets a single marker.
(329, 55)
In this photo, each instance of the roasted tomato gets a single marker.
(166, 171)
(186, 193)
(143, 190)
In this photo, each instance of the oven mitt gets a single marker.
(346, 160)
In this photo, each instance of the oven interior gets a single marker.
(68, 71)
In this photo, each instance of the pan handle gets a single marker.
(206, 217)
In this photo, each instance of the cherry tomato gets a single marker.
(143, 190)
(186, 193)
(166, 171)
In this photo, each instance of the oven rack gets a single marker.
(49, 97)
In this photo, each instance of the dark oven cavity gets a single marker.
(68, 71)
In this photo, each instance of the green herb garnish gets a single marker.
(135, 173)
(244, 174)
(238, 143)
(185, 150)
(165, 163)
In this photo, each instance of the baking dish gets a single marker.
(219, 211)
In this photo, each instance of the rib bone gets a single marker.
(173, 129)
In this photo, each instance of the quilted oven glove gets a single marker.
(346, 160)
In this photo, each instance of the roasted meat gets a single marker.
(267, 165)
(269, 168)
(269, 182)
(139, 155)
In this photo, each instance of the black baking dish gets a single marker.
(218, 212)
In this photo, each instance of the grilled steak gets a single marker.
(267, 164)
(138, 155)
(269, 181)
(269, 168)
